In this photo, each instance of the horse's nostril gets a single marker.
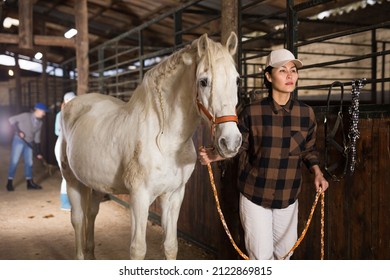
(229, 145)
(222, 143)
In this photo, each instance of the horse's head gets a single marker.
(216, 83)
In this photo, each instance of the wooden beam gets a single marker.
(9, 38)
(39, 40)
(26, 24)
(42, 40)
(82, 46)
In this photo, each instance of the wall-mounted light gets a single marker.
(10, 72)
(70, 33)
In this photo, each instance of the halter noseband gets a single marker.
(215, 120)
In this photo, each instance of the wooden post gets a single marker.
(26, 24)
(229, 195)
(229, 19)
(82, 46)
(18, 85)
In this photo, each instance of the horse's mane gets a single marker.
(167, 66)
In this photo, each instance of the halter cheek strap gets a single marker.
(215, 120)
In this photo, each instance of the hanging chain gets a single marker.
(353, 133)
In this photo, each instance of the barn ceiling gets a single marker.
(109, 18)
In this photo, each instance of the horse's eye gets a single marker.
(203, 82)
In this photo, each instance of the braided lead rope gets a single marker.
(322, 225)
(245, 257)
(298, 242)
(353, 110)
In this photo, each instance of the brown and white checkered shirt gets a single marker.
(276, 140)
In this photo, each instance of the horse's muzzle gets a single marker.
(228, 142)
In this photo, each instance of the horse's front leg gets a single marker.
(139, 211)
(170, 206)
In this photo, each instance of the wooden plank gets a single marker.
(361, 191)
(9, 38)
(39, 40)
(375, 208)
(381, 221)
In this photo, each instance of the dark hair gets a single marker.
(267, 83)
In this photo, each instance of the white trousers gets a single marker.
(57, 153)
(269, 233)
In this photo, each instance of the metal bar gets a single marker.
(310, 4)
(356, 58)
(326, 86)
(101, 70)
(292, 32)
(385, 24)
(178, 27)
(374, 49)
(383, 74)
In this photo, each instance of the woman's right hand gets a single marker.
(208, 155)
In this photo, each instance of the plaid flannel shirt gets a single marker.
(276, 140)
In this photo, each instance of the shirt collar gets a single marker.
(277, 108)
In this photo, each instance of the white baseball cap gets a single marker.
(278, 58)
(69, 96)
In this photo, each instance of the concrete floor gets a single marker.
(33, 227)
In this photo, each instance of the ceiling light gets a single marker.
(70, 33)
(10, 72)
(8, 22)
(38, 55)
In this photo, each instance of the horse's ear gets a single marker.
(203, 44)
(232, 43)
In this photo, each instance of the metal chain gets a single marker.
(353, 111)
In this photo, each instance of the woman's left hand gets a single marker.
(320, 182)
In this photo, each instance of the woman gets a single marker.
(279, 133)
(65, 205)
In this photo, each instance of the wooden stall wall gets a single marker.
(357, 208)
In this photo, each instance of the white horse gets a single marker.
(144, 147)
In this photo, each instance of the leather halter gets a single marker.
(215, 120)
(330, 137)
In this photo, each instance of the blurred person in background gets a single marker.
(27, 138)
